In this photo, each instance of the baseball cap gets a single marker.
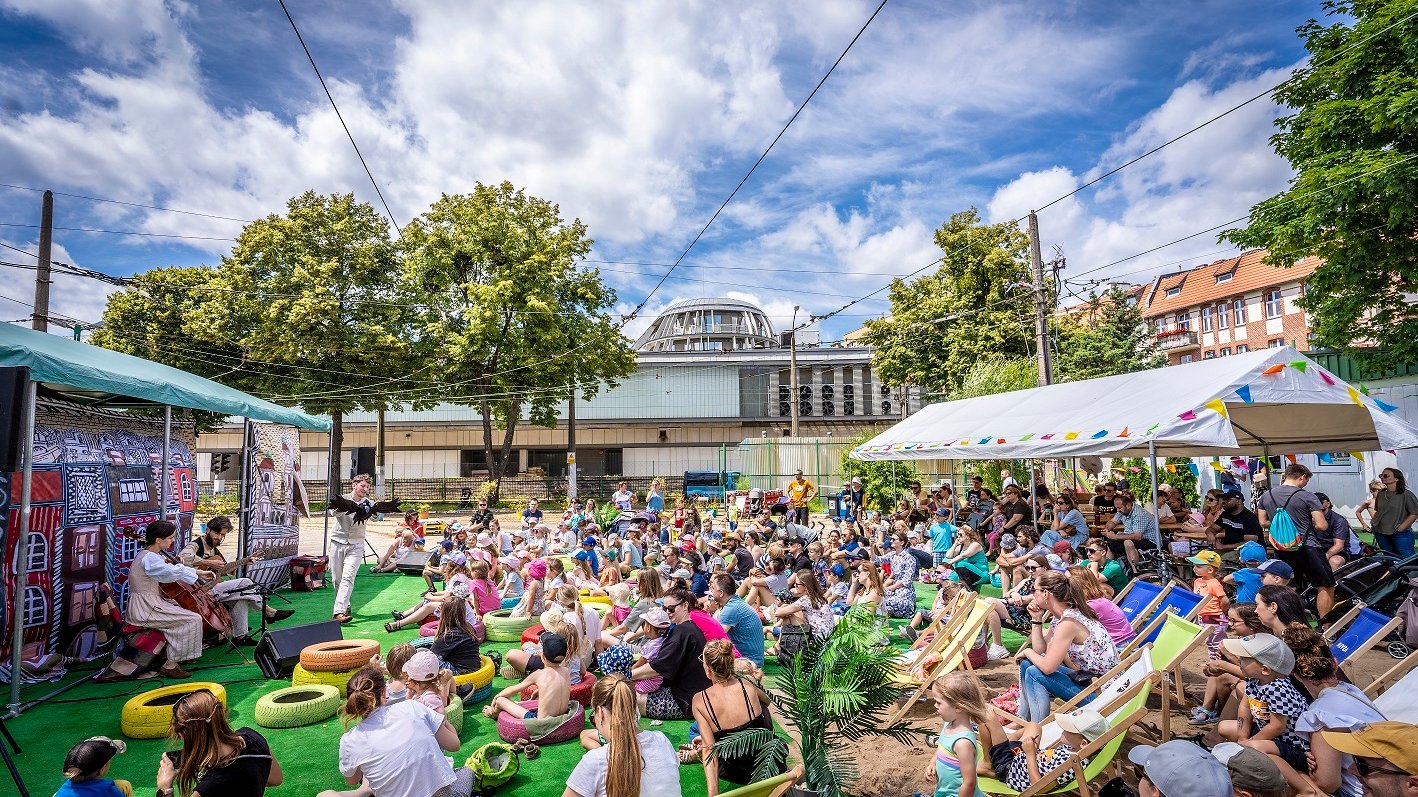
(942, 511)
(1208, 558)
(682, 573)
(422, 666)
(510, 561)
(89, 756)
(1056, 562)
(1251, 551)
(446, 545)
(1062, 547)
(658, 617)
(1084, 721)
(589, 542)
(1395, 742)
(855, 480)
(553, 647)
(839, 571)
(1182, 769)
(1250, 769)
(484, 539)
(1232, 492)
(1275, 567)
(1267, 649)
(886, 544)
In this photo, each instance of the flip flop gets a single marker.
(531, 751)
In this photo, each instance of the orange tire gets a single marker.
(338, 654)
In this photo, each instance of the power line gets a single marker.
(752, 169)
(129, 204)
(123, 232)
(340, 116)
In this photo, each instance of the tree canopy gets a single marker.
(1353, 140)
(1113, 340)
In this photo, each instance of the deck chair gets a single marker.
(1358, 630)
(773, 787)
(1396, 691)
(1138, 599)
(1105, 695)
(1101, 752)
(1182, 602)
(1173, 639)
(1395, 674)
(953, 654)
(940, 626)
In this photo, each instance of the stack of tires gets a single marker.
(317, 684)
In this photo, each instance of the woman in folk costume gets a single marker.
(149, 608)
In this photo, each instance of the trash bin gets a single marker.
(834, 506)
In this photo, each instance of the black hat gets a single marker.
(553, 648)
(87, 758)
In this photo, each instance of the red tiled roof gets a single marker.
(1199, 287)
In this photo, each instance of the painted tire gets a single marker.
(602, 609)
(480, 694)
(532, 635)
(340, 680)
(581, 692)
(453, 712)
(512, 728)
(338, 654)
(596, 600)
(478, 678)
(429, 628)
(502, 628)
(294, 706)
(149, 715)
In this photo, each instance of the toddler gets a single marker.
(85, 768)
(960, 704)
(620, 602)
(1214, 602)
(395, 690)
(1079, 727)
(1247, 580)
(657, 624)
(426, 682)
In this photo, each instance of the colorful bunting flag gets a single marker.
(1218, 406)
(1153, 428)
(1273, 370)
(1327, 459)
(1000, 441)
(1171, 468)
(1359, 455)
(1071, 436)
(1188, 416)
(984, 440)
(1299, 365)
(1049, 436)
(1124, 433)
(1191, 466)
(1290, 458)
(1354, 397)
(1384, 405)
(1244, 393)
(1026, 437)
(1216, 466)
(1100, 434)
(1134, 469)
(1363, 388)
(1328, 380)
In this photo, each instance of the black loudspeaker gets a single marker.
(13, 383)
(279, 651)
(413, 562)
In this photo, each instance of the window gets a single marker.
(1242, 348)
(36, 553)
(1223, 315)
(1176, 291)
(1226, 352)
(1184, 321)
(1186, 358)
(1162, 323)
(1208, 355)
(1274, 343)
(1207, 321)
(34, 610)
(133, 491)
(1274, 307)
(85, 547)
(1222, 279)
(1239, 308)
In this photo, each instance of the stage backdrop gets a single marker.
(273, 500)
(97, 477)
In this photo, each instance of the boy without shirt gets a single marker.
(552, 682)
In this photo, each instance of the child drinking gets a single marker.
(87, 764)
(960, 703)
(426, 681)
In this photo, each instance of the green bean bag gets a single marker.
(492, 765)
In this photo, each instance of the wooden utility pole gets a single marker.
(379, 455)
(39, 320)
(571, 446)
(1041, 304)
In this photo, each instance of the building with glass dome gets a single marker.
(708, 325)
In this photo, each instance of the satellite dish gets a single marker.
(1091, 464)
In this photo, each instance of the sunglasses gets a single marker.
(1366, 769)
(1030, 568)
(1091, 551)
(671, 606)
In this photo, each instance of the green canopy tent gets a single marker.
(89, 375)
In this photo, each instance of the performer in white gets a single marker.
(239, 595)
(347, 540)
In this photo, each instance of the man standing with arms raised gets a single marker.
(347, 540)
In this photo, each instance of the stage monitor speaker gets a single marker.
(13, 383)
(413, 562)
(279, 651)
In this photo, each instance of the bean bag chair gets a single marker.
(338, 654)
(480, 694)
(453, 712)
(340, 679)
(533, 635)
(149, 715)
(492, 765)
(581, 692)
(294, 706)
(501, 627)
(595, 600)
(478, 678)
(512, 728)
(429, 628)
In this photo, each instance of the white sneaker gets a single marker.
(996, 652)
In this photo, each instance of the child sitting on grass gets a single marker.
(552, 682)
(87, 764)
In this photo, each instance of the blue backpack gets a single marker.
(1284, 534)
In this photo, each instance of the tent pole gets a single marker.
(166, 491)
(17, 616)
(330, 489)
(1152, 460)
(1033, 493)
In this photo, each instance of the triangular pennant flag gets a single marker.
(1359, 455)
(1216, 466)
(1191, 466)
(1100, 434)
(1290, 458)
(1363, 388)
(1218, 406)
(1327, 459)
(1049, 436)
(1000, 441)
(1244, 393)
(1274, 369)
(1026, 437)
(1124, 433)
(1188, 416)
(1354, 397)
(1071, 436)
(1328, 380)
(1152, 428)
(984, 440)
(1134, 469)
(1299, 365)
(1384, 405)
(1171, 468)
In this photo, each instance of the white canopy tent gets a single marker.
(1268, 402)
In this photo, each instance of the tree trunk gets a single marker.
(513, 416)
(494, 474)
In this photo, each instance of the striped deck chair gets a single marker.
(953, 654)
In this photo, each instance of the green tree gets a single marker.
(510, 321)
(1138, 477)
(314, 300)
(989, 377)
(980, 290)
(1114, 340)
(1353, 141)
(883, 482)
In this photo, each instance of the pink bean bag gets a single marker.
(512, 728)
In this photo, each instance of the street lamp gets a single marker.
(793, 369)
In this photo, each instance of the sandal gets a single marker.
(397, 615)
(392, 627)
(531, 751)
(688, 754)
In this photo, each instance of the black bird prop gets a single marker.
(362, 511)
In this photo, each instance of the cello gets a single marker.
(195, 598)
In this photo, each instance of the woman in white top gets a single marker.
(149, 608)
(623, 761)
(1076, 643)
(1334, 706)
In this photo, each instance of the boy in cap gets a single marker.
(1386, 755)
(1274, 572)
(1266, 720)
(1247, 580)
(1179, 769)
(942, 534)
(1079, 728)
(553, 683)
(1205, 565)
(1252, 772)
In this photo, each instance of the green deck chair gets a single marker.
(1174, 640)
(773, 787)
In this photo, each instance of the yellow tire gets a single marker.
(478, 678)
(596, 600)
(149, 715)
(339, 679)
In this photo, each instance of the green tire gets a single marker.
(294, 706)
(503, 628)
(453, 712)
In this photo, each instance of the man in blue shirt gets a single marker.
(740, 621)
(942, 534)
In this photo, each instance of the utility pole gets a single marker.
(571, 446)
(40, 319)
(793, 369)
(379, 454)
(1041, 305)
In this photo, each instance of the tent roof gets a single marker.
(1274, 401)
(89, 374)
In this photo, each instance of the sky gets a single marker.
(640, 118)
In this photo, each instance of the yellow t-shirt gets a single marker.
(798, 490)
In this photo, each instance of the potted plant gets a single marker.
(835, 693)
(424, 510)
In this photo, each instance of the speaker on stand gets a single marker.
(279, 650)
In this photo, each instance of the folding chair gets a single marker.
(940, 626)
(1138, 599)
(953, 654)
(1101, 753)
(1358, 630)
(1182, 602)
(1173, 639)
(1396, 691)
(1393, 676)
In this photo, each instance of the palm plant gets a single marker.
(832, 696)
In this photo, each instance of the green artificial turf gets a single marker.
(307, 755)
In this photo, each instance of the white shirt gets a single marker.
(659, 778)
(162, 570)
(623, 499)
(396, 750)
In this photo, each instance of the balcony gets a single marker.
(1177, 340)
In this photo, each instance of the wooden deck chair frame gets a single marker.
(1391, 677)
(781, 784)
(1145, 615)
(1173, 668)
(941, 626)
(1337, 629)
(1097, 685)
(959, 641)
(1076, 762)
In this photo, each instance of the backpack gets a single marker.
(1284, 534)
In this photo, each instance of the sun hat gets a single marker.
(1395, 742)
(1275, 567)
(510, 561)
(1084, 721)
(459, 589)
(1251, 551)
(1180, 768)
(658, 617)
(422, 666)
(1008, 542)
(537, 569)
(1267, 649)
(1210, 559)
(484, 539)
(1250, 769)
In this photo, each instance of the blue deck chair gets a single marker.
(1139, 599)
(1182, 602)
(1358, 630)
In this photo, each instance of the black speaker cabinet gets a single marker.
(279, 650)
(412, 563)
(13, 382)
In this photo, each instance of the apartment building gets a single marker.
(1227, 307)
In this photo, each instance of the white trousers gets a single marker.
(345, 559)
(240, 596)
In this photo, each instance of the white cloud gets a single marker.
(71, 297)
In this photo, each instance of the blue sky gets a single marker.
(639, 118)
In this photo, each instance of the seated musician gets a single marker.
(149, 608)
(239, 595)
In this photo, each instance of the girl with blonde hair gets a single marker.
(622, 760)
